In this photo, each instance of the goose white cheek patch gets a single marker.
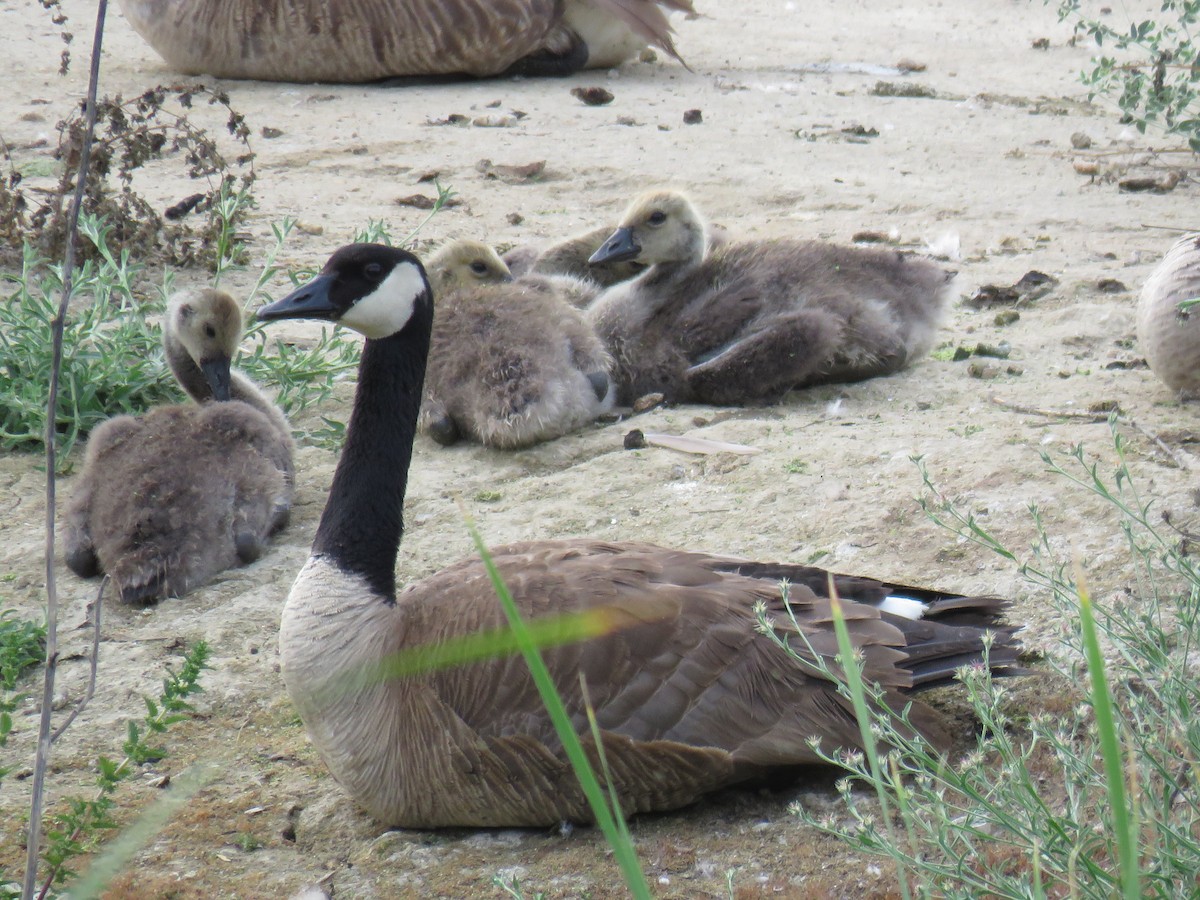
(388, 308)
(905, 607)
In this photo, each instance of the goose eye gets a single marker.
(209, 331)
(373, 271)
(479, 268)
(657, 217)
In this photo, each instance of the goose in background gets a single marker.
(1170, 337)
(169, 499)
(751, 320)
(514, 363)
(687, 693)
(369, 40)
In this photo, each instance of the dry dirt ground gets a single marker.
(794, 140)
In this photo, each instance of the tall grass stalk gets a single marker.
(42, 758)
(1110, 745)
(852, 665)
(606, 816)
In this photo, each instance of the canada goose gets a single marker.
(689, 696)
(513, 363)
(169, 499)
(368, 40)
(753, 319)
(1169, 337)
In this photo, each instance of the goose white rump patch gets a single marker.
(906, 607)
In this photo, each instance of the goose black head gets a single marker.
(374, 289)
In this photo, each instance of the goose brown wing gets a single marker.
(343, 40)
(683, 665)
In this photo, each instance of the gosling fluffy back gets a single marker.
(169, 499)
(513, 362)
(751, 320)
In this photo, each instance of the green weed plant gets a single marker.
(1152, 69)
(1095, 802)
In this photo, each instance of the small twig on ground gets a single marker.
(91, 687)
(1178, 459)
(42, 759)
(1174, 457)
(1178, 229)
(1049, 413)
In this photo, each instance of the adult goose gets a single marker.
(169, 499)
(369, 40)
(514, 363)
(689, 696)
(751, 320)
(1169, 336)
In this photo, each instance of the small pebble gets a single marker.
(692, 117)
(592, 96)
(1006, 317)
(647, 402)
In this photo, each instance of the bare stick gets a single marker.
(1175, 459)
(91, 688)
(1050, 413)
(42, 760)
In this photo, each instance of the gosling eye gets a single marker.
(657, 217)
(209, 331)
(479, 268)
(373, 271)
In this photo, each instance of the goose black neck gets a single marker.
(363, 521)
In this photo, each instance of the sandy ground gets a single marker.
(984, 165)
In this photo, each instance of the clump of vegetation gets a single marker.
(22, 646)
(1156, 77)
(77, 828)
(1096, 800)
(113, 361)
(134, 140)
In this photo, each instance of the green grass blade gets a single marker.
(852, 672)
(117, 855)
(623, 849)
(1110, 747)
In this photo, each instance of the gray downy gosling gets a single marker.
(169, 499)
(514, 363)
(751, 320)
